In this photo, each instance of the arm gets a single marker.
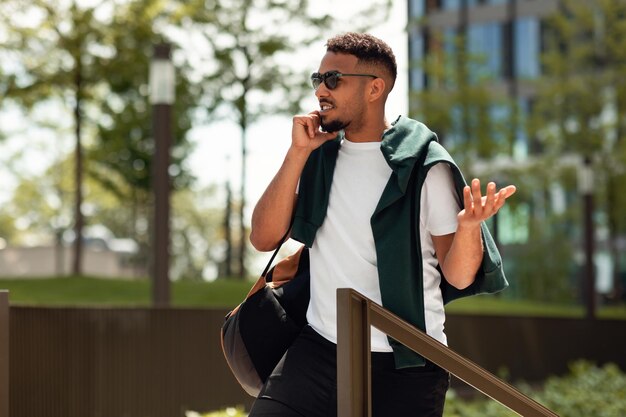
(460, 254)
(272, 214)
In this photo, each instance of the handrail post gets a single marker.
(353, 356)
(4, 353)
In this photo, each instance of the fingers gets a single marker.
(491, 197)
(477, 197)
(306, 133)
(311, 123)
(481, 207)
(467, 198)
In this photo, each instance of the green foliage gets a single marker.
(588, 390)
(8, 229)
(457, 407)
(227, 412)
(580, 106)
(92, 59)
(41, 206)
(124, 145)
(247, 43)
(196, 233)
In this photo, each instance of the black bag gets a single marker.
(258, 332)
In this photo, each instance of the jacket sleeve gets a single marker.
(490, 277)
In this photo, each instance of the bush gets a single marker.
(586, 391)
(228, 412)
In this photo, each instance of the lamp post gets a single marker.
(162, 87)
(585, 185)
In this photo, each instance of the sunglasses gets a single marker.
(331, 78)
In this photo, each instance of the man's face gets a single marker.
(344, 105)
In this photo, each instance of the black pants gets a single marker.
(304, 384)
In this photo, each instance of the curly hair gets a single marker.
(366, 48)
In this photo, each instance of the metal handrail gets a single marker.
(355, 314)
(4, 353)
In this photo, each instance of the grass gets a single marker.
(84, 291)
(495, 305)
(227, 293)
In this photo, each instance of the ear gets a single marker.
(377, 89)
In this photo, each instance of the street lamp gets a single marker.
(585, 187)
(162, 87)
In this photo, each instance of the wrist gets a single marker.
(298, 152)
(468, 227)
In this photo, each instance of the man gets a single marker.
(360, 191)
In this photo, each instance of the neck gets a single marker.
(370, 131)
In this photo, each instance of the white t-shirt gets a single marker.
(343, 254)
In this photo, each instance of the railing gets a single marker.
(355, 314)
(4, 353)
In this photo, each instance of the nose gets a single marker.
(321, 91)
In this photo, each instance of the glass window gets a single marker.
(527, 48)
(451, 4)
(454, 135)
(484, 44)
(416, 8)
(450, 39)
(416, 51)
(520, 147)
(500, 117)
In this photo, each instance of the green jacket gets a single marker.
(406, 145)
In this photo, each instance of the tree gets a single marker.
(248, 75)
(581, 104)
(39, 211)
(478, 124)
(96, 60)
(246, 41)
(122, 153)
(196, 234)
(54, 54)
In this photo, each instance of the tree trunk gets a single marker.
(613, 210)
(242, 206)
(78, 215)
(228, 261)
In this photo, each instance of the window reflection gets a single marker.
(484, 44)
(527, 48)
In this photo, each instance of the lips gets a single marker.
(325, 106)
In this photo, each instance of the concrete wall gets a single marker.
(45, 261)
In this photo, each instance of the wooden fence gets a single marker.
(142, 362)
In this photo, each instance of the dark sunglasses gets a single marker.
(331, 78)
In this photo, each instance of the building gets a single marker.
(506, 34)
(509, 37)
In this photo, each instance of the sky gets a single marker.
(217, 154)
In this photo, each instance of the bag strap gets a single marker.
(282, 240)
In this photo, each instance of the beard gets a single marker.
(333, 125)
